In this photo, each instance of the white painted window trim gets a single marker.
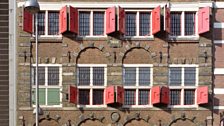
(137, 87)
(182, 87)
(218, 90)
(219, 71)
(183, 36)
(91, 22)
(137, 23)
(91, 86)
(46, 86)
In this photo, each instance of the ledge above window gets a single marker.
(183, 38)
(139, 38)
(41, 38)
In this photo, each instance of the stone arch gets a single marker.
(133, 54)
(91, 55)
(47, 122)
(181, 122)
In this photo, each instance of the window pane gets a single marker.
(53, 75)
(144, 24)
(53, 96)
(175, 97)
(130, 24)
(84, 76)
(41, 75)
(189, 97)
(144, 76)
(84, 23)
(189, 76)
(98, 97)
(129, 97)
(84, 96)
(189, 23)
(98, 23)
(143, 97)
(53, 23)
(175, 24)
(129, 76)
(98, 76)
(42, 94)
(41, 23)
(175, 76)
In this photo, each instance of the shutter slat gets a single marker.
(121, 20)
(120, 95)
(165, 95)
(202, 95)
(27, 21)
(63, 20)
(167, 20)
(72, 96)
(110, 95)
(110, 20)
(73, 20)
(156, 20)
(155, 94)
(203, 20)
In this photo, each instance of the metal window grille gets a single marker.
(130, 24)
(175, 24)
(53, 75)
(144, 24)
(98, 75)
(189, 96)
(84, 96)
(83, 76)
(129, 76)
(144, 76)
(98, 23)
(41, 23)
(84, 23)
(129, 97)
(175, 95)
(175, 76)
(143, 97)
(53, 23)
(189, 76)
(41, 75)
(189, 23)
(98, 97)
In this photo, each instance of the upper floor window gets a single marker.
(137, 80)
(183, 83)
(48, 23)
(91, 23)
(91, 84)
(50, 83)
(183, 23)
(137, 23)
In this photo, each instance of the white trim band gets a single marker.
(218, 107)
(219, 25)
(219, 71)
(219, 91)
(219, 41)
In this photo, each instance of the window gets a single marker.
(50, 26)
(49, 84)
(91, 23)
(91, 84)
(137, 23)
(183, 23)
(182, 83)
(137, 80)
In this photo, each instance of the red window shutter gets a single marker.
(72, 94)
(110, 93)
(156, 20)
(110, 20)
(202, 95)
(155, 94)
(165, 92)
(73, 20)
(120, 95)
(121, 20)
(27, 21)
(203, 20)
(167, 20)
(63, 20)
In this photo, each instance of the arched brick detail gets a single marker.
(91, 55)
(137, 55)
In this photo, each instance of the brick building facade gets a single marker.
(122, 63)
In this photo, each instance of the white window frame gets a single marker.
(91, 87)
(45, 86)
(137, 23)
(46, 25)
(182, 34)
(182, 87)
(136, 87)
(91, 22)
